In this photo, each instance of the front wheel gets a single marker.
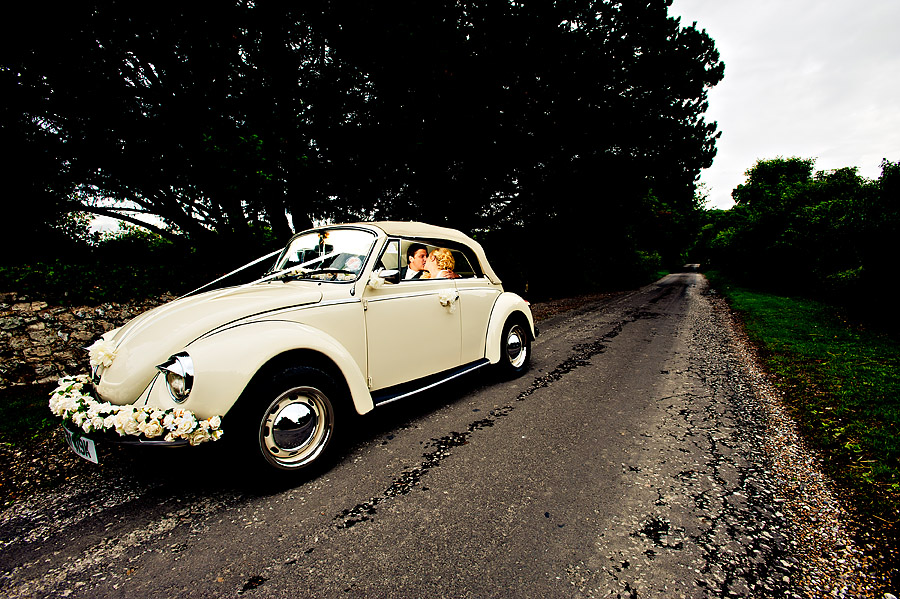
(290, 421)
(515, 347)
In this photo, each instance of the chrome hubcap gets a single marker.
(296, 427)
(516, 347)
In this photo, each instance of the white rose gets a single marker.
(102, 353)
(110, 422)
(184, 424)
(198, 436)
(120, 418)
(131, 426)
(168, 421)
(152, 429)
(68, 404)
(93, 409)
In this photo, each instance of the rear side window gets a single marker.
(465, 263)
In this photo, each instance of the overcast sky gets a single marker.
(809, 78)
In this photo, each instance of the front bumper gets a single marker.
(112, 438)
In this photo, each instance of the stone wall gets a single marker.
(39, 342)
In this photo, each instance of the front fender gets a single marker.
(506, 305)
(226, 361)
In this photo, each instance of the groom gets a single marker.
(415, 258)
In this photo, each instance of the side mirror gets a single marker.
(390, 276)
(385, 276)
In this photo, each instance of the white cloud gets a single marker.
(810, 78)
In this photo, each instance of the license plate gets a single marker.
(82, 446)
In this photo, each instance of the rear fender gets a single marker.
(507, 305)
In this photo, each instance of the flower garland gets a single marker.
(70, 402)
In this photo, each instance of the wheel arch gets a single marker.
(228, 362)
(508, 305)
(315, 359)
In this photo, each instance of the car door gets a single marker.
(476, 301)
(412, 328)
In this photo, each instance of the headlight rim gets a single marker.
(179, 367)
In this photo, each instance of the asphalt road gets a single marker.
(632, 460)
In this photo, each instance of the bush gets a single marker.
(130, 264)
(829, 235)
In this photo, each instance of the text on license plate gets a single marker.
(82, 446)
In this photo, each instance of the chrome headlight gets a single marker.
(179, 372)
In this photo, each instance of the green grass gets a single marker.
(842, 383)
(25, 414)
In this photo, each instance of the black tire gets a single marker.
(515, 347)
(292, 421)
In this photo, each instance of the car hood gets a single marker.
(149, 339)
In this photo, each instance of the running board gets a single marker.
(390, 394)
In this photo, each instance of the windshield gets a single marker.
(327, 254)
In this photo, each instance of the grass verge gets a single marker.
(25, 414)
(842, 383)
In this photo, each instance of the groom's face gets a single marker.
(417, 261)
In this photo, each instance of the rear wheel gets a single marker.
(515, 347)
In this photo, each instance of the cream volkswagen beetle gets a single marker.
(335, 329)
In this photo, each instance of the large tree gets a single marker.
(571, 114)
(203, 120)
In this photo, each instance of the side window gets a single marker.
(465, 264)
(462, 264)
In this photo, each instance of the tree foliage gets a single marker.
(554, 116)
(826, 233)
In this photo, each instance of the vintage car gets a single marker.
(334, 330)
